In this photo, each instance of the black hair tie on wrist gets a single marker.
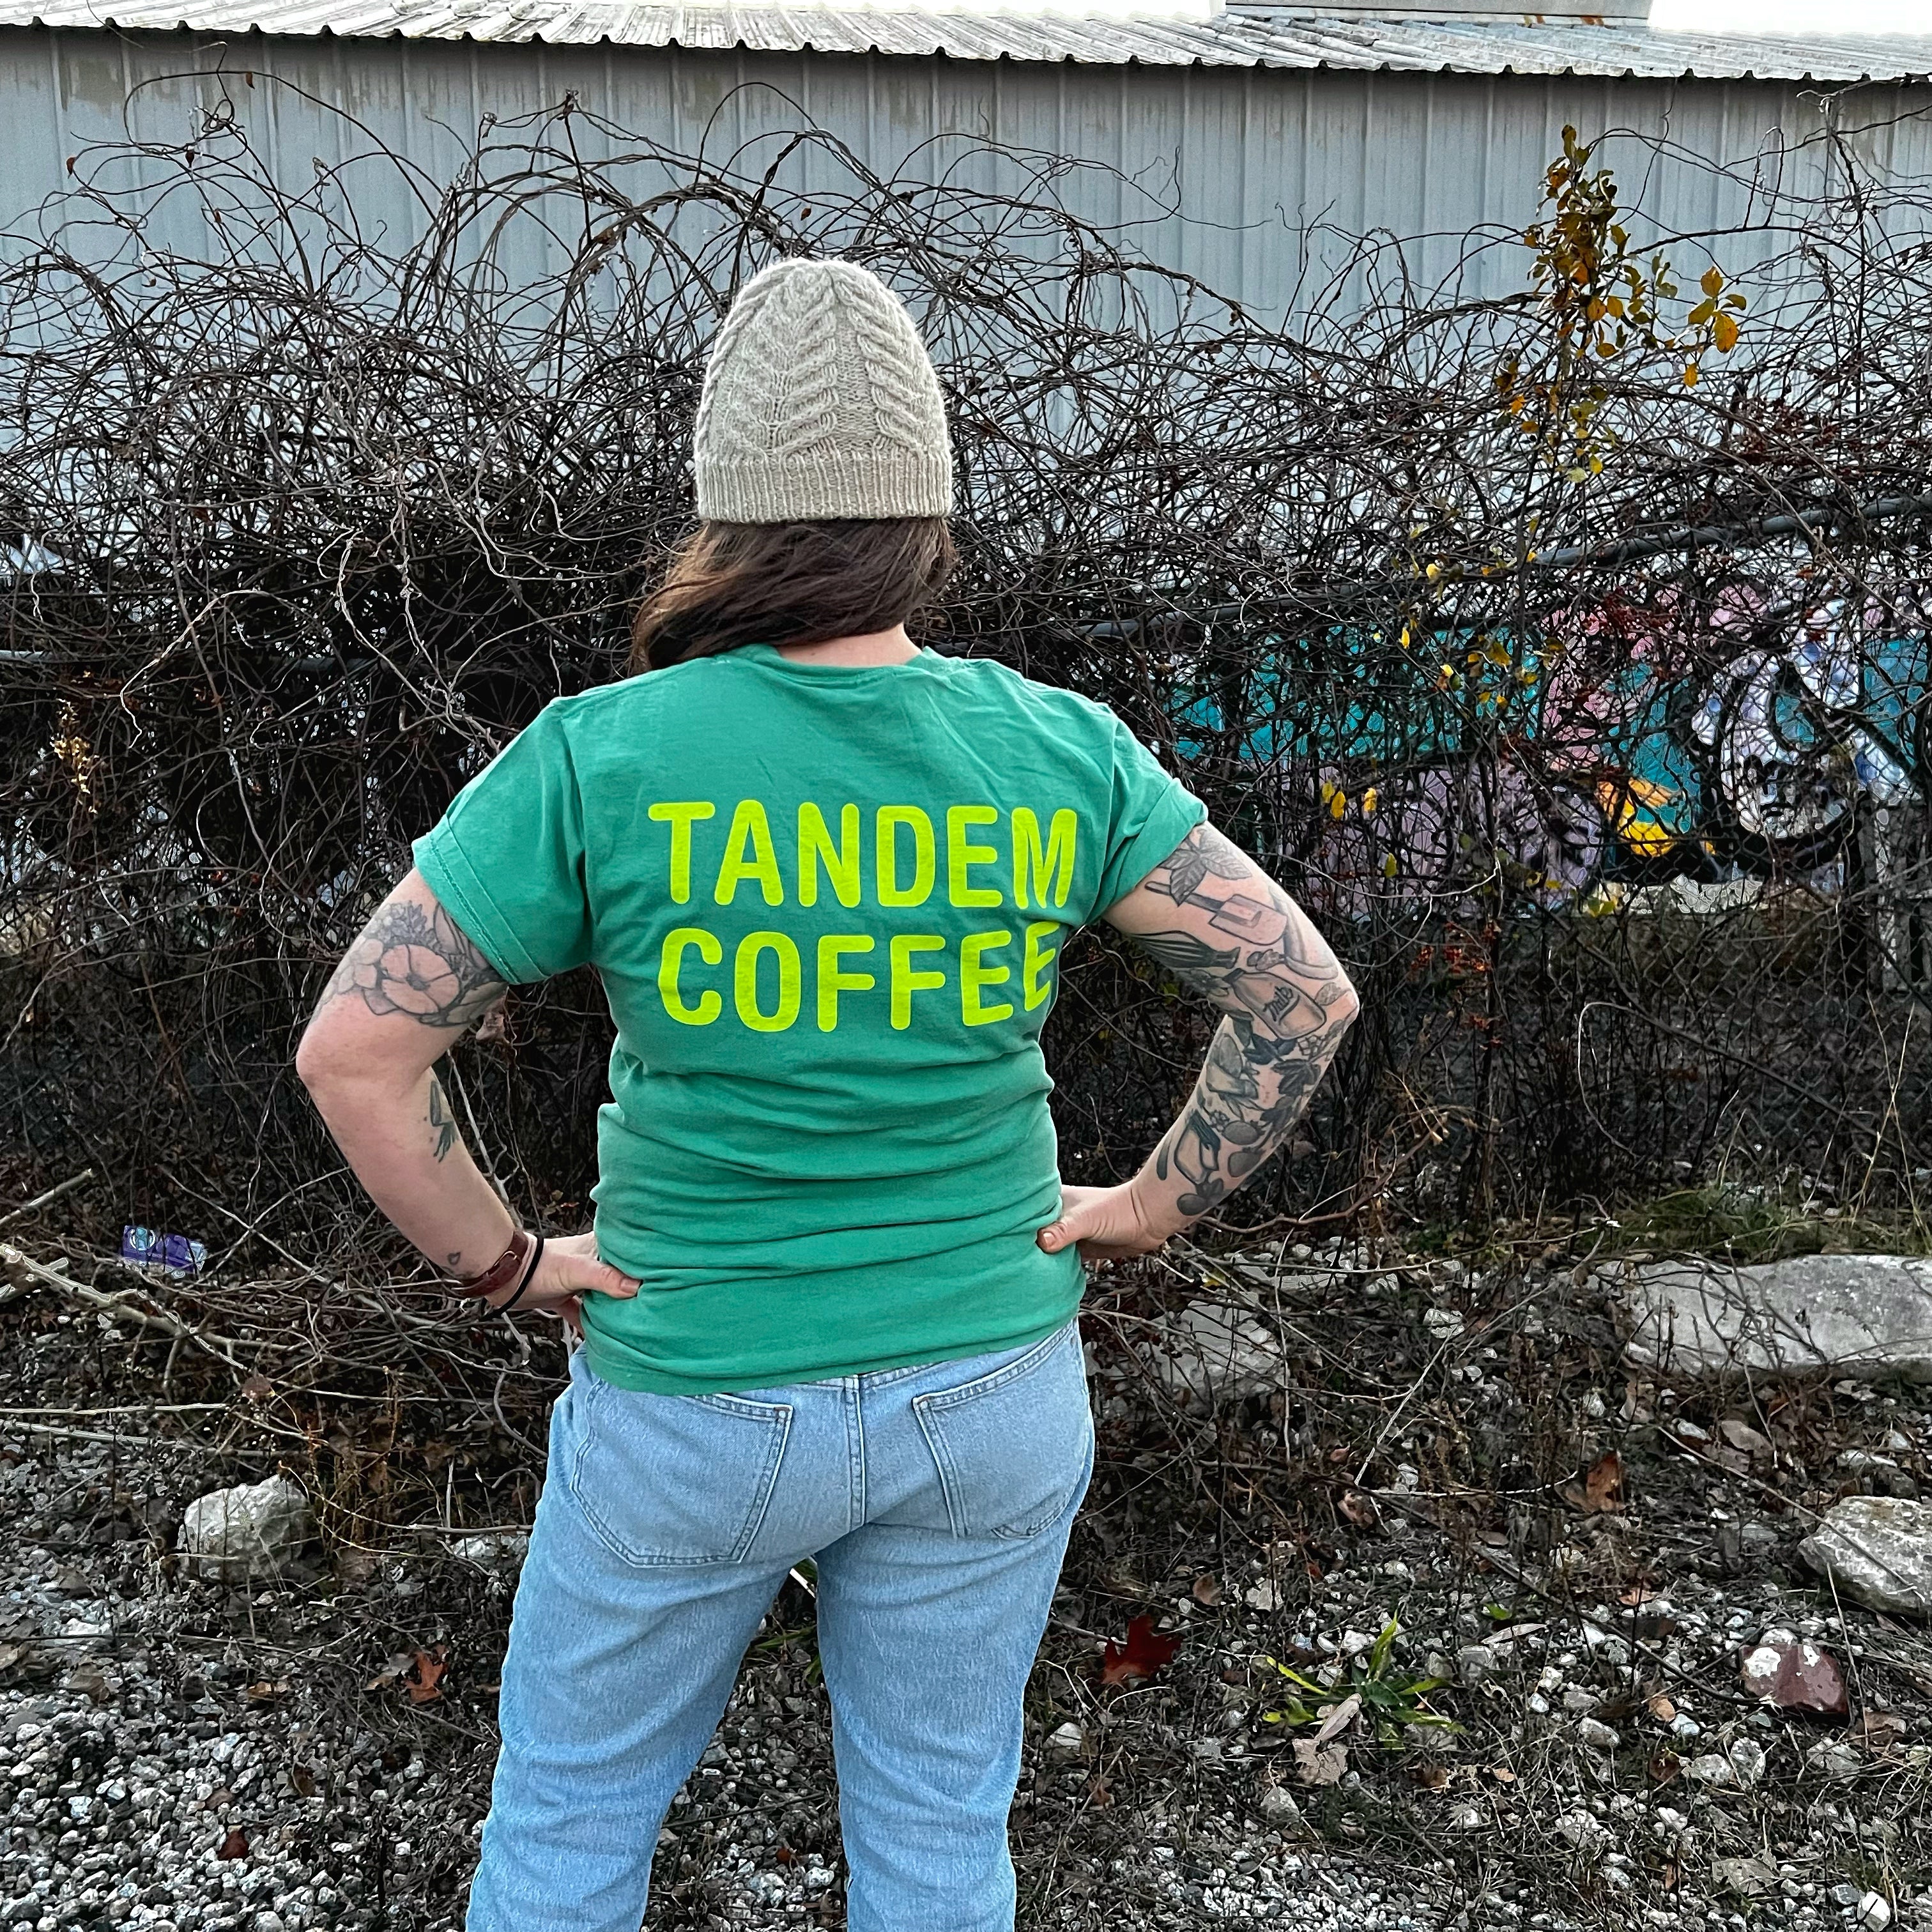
(529, 1276)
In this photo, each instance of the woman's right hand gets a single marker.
(1107, 1224)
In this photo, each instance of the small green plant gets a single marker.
(1390, 1700)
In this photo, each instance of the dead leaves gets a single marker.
(418, 1673)
(235, 1845)
(1747, 1442)
(1319, 1764)
(1145, 1651)
(1339, 1720)
(1600, 1492)
(424, 1682)
(1361, 1510)
(1880, 1731)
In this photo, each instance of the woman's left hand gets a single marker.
(570, 1269)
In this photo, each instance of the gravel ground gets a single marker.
(179, 1754)
(1405, 1439)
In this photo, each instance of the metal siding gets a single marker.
(1280, 167)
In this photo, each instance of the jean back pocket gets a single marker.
(1014, 1448)
(675, 1479)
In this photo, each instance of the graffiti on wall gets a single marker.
(1621, 745)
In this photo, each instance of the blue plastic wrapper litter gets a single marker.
(169, 1254)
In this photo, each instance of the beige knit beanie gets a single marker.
(819, 401)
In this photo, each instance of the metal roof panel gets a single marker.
(1250, 36)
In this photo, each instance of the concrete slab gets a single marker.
(1867, 1315)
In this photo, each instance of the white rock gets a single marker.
(1833, 1758)
(1215, 1353)
(1068, 1741)
(249, 1530)
(1877, 1550)
(1872, 1912)
(1278, 1804)
(1746, 1757)
(1476, 1663)
(1468, 1818)
(1598, 1736)
(1713, 1768)
(1580, 1827)
(1866, 1312)
(1749, 1878)
(501, 1555)
(1261, 1596)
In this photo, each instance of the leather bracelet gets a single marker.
(507, 1268)
(529, 1276)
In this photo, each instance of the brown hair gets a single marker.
(731, 584)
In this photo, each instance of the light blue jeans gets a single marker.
(937, 1501)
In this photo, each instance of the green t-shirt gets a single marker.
(827, 904)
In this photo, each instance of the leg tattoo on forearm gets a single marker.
(1277, 985)
(408, 960)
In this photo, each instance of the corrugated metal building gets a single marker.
(1256, 138)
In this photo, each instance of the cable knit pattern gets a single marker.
(819, 401)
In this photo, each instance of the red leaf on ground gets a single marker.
(423, 1680)
(1144, 1652)
(1796, 1677)
(235, 1845)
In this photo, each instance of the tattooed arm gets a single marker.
(1214, 919)
(407, 990)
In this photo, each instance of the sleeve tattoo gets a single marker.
(412, 960)
(1277, 991)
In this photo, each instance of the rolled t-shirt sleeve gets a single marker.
(507, 859)
(1152, 812)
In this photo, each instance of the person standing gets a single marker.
(828, 1307)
